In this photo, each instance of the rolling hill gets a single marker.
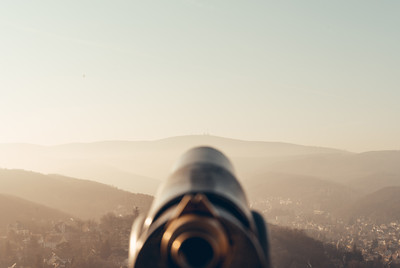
(341, 168)
(381, 206)
(375, 182)
(80, 198)
(13, 209)
(313, 193)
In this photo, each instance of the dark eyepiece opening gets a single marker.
(196, 252)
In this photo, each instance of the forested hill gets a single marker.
(14, 209)
(382, 206)
(80, 198)
(293, 248)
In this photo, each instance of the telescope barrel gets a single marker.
(200, 218)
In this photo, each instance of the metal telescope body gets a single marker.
(200, 218)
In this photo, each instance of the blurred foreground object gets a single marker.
(200, 218)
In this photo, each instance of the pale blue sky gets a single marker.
(322, 73)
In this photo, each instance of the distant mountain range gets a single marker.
(325, 177)
(80, 198)
(138, 166)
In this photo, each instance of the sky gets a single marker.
(322, 73)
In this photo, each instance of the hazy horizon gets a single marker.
(191, 135)
(310, 73)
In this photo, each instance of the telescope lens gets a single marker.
(196, 252)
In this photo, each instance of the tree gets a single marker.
(375, 243)
(105, 249)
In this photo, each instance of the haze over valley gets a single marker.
(323, 178)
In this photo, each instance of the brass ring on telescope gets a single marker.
(199, 232)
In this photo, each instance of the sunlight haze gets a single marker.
(321, 73)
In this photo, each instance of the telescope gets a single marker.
(200, 218)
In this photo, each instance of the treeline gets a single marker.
(83, 244)
(294, 249)
(104, 244)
